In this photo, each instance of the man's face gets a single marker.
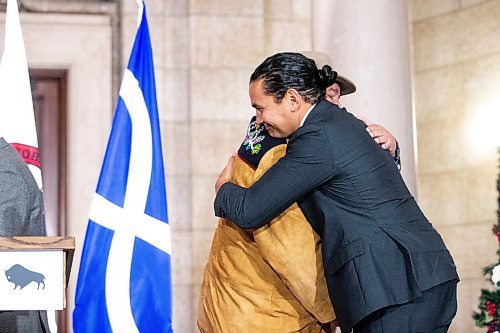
(277, 118)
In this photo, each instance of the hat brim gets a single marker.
(346, 85)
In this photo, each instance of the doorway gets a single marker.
(48, 89)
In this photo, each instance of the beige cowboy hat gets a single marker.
(321, 59)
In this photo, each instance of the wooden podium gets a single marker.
(34, 272)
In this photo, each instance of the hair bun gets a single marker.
(327, 76)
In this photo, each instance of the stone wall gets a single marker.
(456, 67)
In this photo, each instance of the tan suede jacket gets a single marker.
(268, 280)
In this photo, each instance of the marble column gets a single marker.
(368, 42)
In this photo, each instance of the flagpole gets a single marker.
(140, 9)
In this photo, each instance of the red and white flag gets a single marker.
(17, 118)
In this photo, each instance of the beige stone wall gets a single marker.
(456, 67)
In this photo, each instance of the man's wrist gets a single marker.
(397, 155)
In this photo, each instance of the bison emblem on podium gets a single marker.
(21, 277)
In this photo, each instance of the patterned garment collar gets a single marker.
(257, 142)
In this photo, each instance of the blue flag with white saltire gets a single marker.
(124, 281)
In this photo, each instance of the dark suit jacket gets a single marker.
(21, 214)
(378, 247)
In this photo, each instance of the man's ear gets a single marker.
(294, 99)
(332, 94)
(333, 91)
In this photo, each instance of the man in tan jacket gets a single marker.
(270, 279)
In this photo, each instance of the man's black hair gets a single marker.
(289, 70)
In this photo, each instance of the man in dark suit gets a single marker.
(21, 214)
(387, 268)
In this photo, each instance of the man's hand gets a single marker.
(225, 175)
(382, 136)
